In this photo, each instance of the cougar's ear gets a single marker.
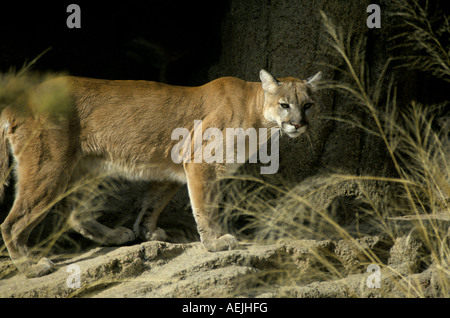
(269, 83)
(312, 81)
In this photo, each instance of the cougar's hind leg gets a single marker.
(16, 228)
(45, 152)
(39, 186)
(97, 232)
(157, 197)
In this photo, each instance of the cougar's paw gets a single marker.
(43, 267)
(223, 243)
(157, 235)
(122, 235)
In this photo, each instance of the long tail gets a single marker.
(4, 159)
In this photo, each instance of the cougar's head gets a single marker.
(289, 102)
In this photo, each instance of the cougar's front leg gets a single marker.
(203, 190)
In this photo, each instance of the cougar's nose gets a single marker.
(299, 124)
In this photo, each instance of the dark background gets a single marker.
(170, 41)
(165, 40)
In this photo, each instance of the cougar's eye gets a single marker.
(284, 105)
(307, 106)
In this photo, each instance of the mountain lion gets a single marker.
(125, 127)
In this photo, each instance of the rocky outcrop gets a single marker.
(299, 268)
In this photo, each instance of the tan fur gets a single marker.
(125, 127)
